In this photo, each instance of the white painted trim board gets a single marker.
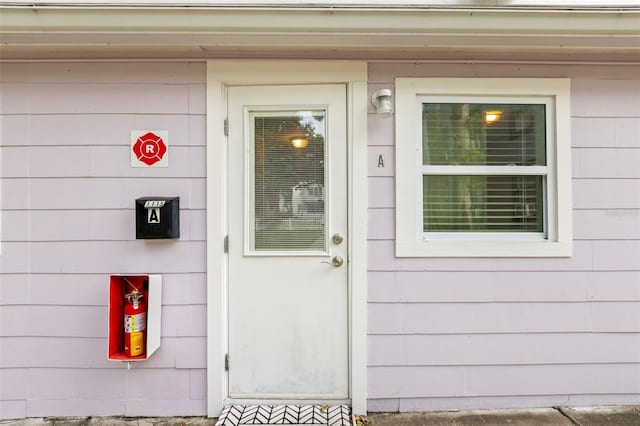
(221, 74)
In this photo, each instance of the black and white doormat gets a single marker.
(238, 415)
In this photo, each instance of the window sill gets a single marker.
(483, 249)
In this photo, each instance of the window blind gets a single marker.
(482, 204)
(483, 134)
(288, 191)
(473, 194)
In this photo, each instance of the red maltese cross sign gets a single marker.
(149, 148)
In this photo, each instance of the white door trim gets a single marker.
(221, 74)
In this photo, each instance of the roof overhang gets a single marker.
(90, 31)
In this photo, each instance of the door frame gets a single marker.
(220, 75)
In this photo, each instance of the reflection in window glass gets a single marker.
(483, 134)
(474, 194)
(288, 189)
(482, 203)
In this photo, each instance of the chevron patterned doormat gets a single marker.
(239, 415)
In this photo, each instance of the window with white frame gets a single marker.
(483, 167)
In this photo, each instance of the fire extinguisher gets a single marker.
(135, 323)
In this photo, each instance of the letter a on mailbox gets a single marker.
(153, 215)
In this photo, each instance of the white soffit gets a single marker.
(351, 3)
(206, 30)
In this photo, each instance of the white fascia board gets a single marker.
(541, 4)
(372, 29)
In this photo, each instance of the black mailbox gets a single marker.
(157, 218)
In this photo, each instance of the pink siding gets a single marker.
(68, 222)
(490, 333)
(443, 333)
(503, 380)
(502, 401)
(605, 132)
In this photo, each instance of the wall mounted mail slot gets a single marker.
(157, 217)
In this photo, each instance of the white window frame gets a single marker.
(411, 241)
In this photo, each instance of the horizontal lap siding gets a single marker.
(498, 380)
(455, 333)
(68, 222)
(502, 401)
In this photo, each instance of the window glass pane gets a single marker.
(482, 204)
(288, 192)
(483, 134)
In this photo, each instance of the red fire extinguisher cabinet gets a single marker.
(151, 288)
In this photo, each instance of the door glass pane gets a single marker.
(468, 134)
(288, 193)
(482, 204)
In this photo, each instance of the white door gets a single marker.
(288, 304)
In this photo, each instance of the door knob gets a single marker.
(335, 261)
(337, 239)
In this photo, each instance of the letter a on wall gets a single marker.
(149, 148)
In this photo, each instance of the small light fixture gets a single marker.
(492, 116)
(298, 142)
(382, 101)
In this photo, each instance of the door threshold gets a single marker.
(301, 415)
(287, 400)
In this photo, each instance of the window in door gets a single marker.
(287, 183)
